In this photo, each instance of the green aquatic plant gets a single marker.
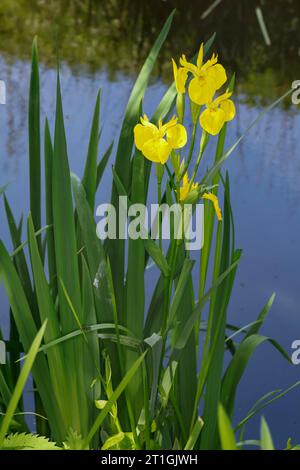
(109, 372)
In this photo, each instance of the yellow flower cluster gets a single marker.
(187, 190)
(156, 142)
(207, 78)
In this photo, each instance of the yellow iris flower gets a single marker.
(157, 142)
(208, 77)
(189, 193)
(218, 112)
(180, 77)
(213, 198)
(186, 188)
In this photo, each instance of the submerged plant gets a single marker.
(110, 373)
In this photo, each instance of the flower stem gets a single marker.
(191, 149)
(159, 176)
(203, 143)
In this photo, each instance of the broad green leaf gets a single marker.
(135, 287)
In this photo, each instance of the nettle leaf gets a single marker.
(73, 441)
(120, 441)
(23, 441)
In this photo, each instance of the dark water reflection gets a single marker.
(103, 45)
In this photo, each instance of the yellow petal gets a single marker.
(223, 97)
(177, 136)
(228, 108)
(188, 65)
(142, 134)
(201, 91)
(200, 57)
(183, 190)
(187, 189)
(209, 63)
(217, 75)
(157, 150)
(212, 120)
(213, 198)
(180, 77)
(145, 121)
(168, 125)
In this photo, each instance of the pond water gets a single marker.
(103, 47)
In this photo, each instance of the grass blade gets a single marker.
(21, 383)
(34, 141)
(266, 441)
(89, 180)
(226, 432)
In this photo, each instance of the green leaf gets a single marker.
(102, 164)
(266, 442)
(182, 339)
(238, 365)
(153, 250)
(25, 441)
(89, 180)
(261, 317)
(58, 370)
(216, 332)
(135, 286)
(21, 383)
(34, 140)
(27, 331)
(73, 441)
(67, 265)
(226, 432)
(63, 220)
(258, 406)
(180, 290)
(192, 440)
(120, 441)
(95, 254)
(48, 156)
(155, 343)
(114, 397)
(20, 260)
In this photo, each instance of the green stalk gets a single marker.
(159, 175)
(191, 149)
(203, 144)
